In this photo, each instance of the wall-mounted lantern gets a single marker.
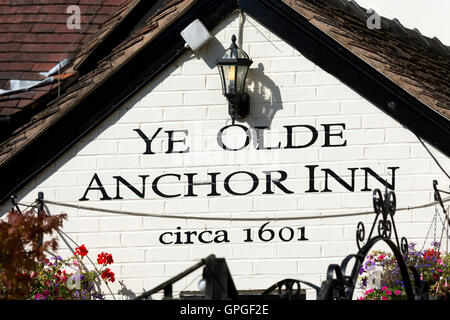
(233, 68)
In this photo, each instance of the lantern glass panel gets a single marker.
(233, 68)
(241, 74)
(228, 77)
(233, 72)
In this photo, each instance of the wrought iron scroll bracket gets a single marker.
(384, 207)
(340, 286)
(292, 288)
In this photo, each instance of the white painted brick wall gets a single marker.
(188, 96)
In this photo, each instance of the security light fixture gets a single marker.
(233, 68)
(196, 35)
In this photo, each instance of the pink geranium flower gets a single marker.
(368, 291)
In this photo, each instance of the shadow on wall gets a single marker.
(265, 98)
(211, 52)
(125, 292)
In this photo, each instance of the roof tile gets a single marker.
(399, 56)
(34, 37)
(390, 53)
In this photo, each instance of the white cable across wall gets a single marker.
(144, 214)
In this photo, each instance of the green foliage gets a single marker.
(25, 272)
(20, 253)
(380, 276)
(54, 281)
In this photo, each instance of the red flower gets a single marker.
(381, 256)
(108, 275)
(81, 251)
(105, 258)
(431, 255)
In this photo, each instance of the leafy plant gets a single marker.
(26, 273)
(53, 282)
(380, 276)
(20, 254)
